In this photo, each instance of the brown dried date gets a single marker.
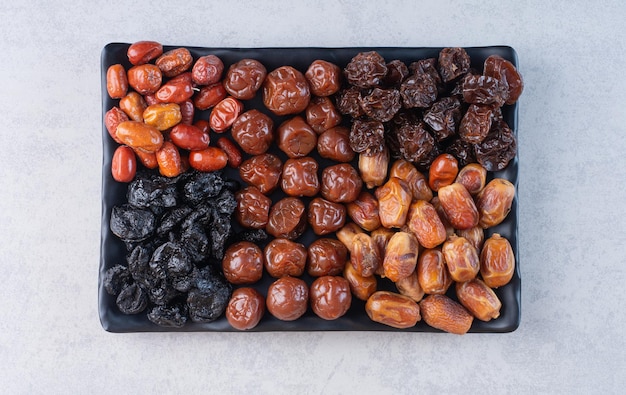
(476, 123)
(208, 159)
(479, 299)
(443, 117)
(341, 183)
(285, 258)
(123, 164)
(286, 91)
(367, 136)
(418, 91)
(323, 77)
(209, 96)
(330, 297)
(244, 78)
(169, 160)
(253, 208)
(410, 286)
(142, 52)
(361, 287)
(287, 218)
(416, 181)
(347, 102)
(400, 256)
(327, 257)
(396, 72)
(134, 106)
(425, 224)
(504, 71)
(224, 114)
(287, 298)
(117, 81)
(346, 234)
(498, 148)
(325, 217)
(245, 308)
(139, 136)
(494, 202)
(147, 159)
(207, 70)
(413, 142)
(373, 168)
(253, 131)
(475, 235)
(381, 237)
(321, 114)
(232, 151)
(334, 144)
(175, 91)
(473, 177)
(394, 199)
(443, 171)
(453, 62)
(162, 115)
(243, 263)
(481, 89)
(497, 261)
(381, 104)
(145, 79)
(262, 171)
(392, 309)
(364, 255)
(441, 312)
(366, 69)
(296, 138)
(299, 177)
(432, 272)
(459, 206)
(174, 62)
(187, 112)
(364, 211)
(189, 137)
(461, 258)
(112, 118)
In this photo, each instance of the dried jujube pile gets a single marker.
(387, 165)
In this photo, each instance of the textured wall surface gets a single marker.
(572, 128)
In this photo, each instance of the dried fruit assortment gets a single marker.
(259, 192)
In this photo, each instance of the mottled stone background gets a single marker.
(571, 205)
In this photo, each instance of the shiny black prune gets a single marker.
(443, 117)
(418, 91)
(202, 215)
(117, 278)
(253, 235)
(220, 232)
(201, 186)
(170, 259)
(381, 104)
(366, 69)
(173, 218)
(170, 316)
(462, 151)
(225, 202)
(152, 191)
(196, 242)
(453, 62)
(347, 102)
(207, 301)
(139, 266)
(132, 224)
(367, 136)
(163, 292)
(498, 148)
(132, 300)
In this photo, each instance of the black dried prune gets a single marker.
(201, 215)
(220, 232)
(132, 300)
(139, 266)
(116, 278)
(173, 218)
(498, 148)
(462, 151)
(480, 89)
(202, 185)
(381, 104)
(396, 73)
(170, 259)
(225, 202)
(174, 316)
(152, 191)
(443, 117)
(367, 136)
(207, 301)
(418, 91)
(253, 235)
(347, 102)
(453, 62)
(196, 242)
(132, 224)
(163, 292)
(366, 69)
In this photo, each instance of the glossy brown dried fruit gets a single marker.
(208, 159)
(459, 206)
(432, 272)
(443, 117)
(479, 299)
(139, 136)
(498, 148)
(287, 298)
(441, 312)
(263, 171)
(347, 102)
(367, 136)
(253, 131)
(425, 223)
(112, 118)
(497, 261)
(326, 257)
(245, 308)
(117, 81)
(285, 258)
(373, 168)
(169, 160)
(361, 287)
(224, 114)
(334, 144)
(414, 143)
(392, 309)
(366, 69)
(134, 106)
(461, 258)
(145, 79)
(476, 123)
(323, 77)
(296, 138)
(418, 91)
(473, 177)
(287, 218)
(286, 91)
(381, 104)
(162, 115)
(364, 255)
(480, 89)
(453, 62)
(414, 179)
(244, 78)
(321, 114)
(394, 199)
(396, 72)
(330, 297)
(400, 256)
(505, 72)
(341, 183)
(326, 217)
(346, 234)
(364, 211)
(174, 62)
(410, 286)
(475, 235)
(253, 208)
(243, 263)
(142, 52)
(299, 177)
(443, 171)
(494, 202)
(209, 96)
(207, 70)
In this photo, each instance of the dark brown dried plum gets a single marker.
(173, 218)
(476, 123)
(426, 66)
(462, 151)
(418, 91)
(381, 104)
(480, 89)
(196, 242)
(209, 298)
(152, 191)
(139, 266)
(443, 117)
(498, 148)
(396, 72)
(170, 316)
(170, 259)
(366, 69)
(453, 62)
(348, 102)
(132, 300)
(116, 279)
(414, 142)
(202, 185)
(367, 137)
(132, 224)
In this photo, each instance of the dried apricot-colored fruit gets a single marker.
(425, 223)
(461, 258)
(459, 206)
(392, 309)
(497, 261)
(479, 299)
(494, 202)
(441, 312)
(139, 136)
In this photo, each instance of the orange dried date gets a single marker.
(473, 177)
(475, 235)
(133, 105)
(139, 136)
(416, 181)
(425, 223)
(123, 164)
(364, 211)
(147, 159)
(208, 159)
(189, 137)
(494, 202)
(432, 272)
(364, 255)
(142, 52)
(497, 261)
(174, 62)
(479, 299)
(209, 96)
(346, 234)
(112, 118)
(207, 70)
(168, 159)
(392, 309)
(145, 79)
(175, 91)
(400, 256)
(443, 171)
(117, 81)
(394, 200)
(224, 114)
(373, 168)
(461, 258)
(362, 287)
(163, 115)
(410, 286)
(459, 206)
(441, 312)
